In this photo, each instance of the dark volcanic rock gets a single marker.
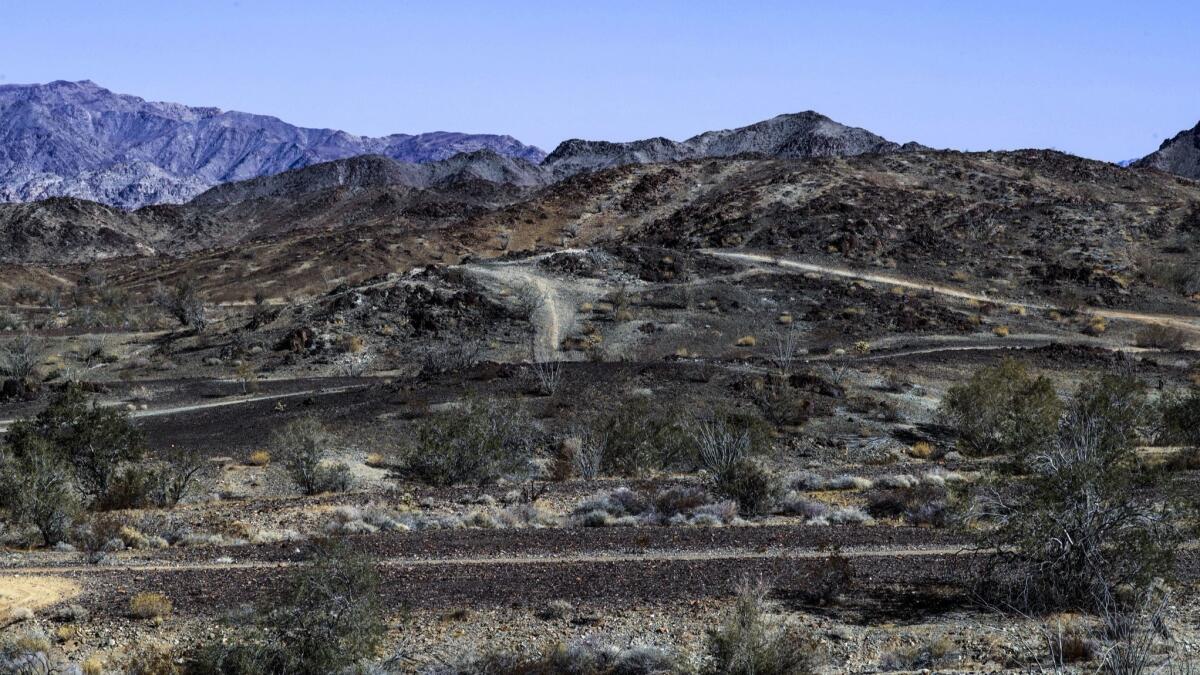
(795, 136)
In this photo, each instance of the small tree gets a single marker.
(1002, 409)
(303, 446)
(38, 490)
(183, 303)
(94, 441)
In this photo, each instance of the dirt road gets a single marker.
(1190, 323)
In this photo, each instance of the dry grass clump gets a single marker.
(921, 450)
(150, 606)
(259, 458)
(936, 653)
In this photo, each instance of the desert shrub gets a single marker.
(38, 489)
(919, 504)
(153, 660)
(162, 484)
(640, 437)
(326, 617)
(580, 658)
(93, 441)
(303, 446)
(1180, 413)
(1162, 337)
(20, 357)
(1089, 516)
(150, 605)
(183, 303)
(476, 443)
(259, 458)
(10, 320)
(750, 640)
(1002, 409)
(672, 506)
(752, 485)
(28, 654)
(830, 579)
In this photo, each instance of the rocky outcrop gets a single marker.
(1179, 155)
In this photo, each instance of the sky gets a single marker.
(1103, 79)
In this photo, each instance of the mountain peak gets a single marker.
(790, 136)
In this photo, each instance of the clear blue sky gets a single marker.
(1105, 79)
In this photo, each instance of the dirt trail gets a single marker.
(1191, 323)
(546, 313)
(659, 556)
(32, 593)
(240, 400)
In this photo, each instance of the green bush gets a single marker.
(639, 437)
(753, 486)
(1002, 409)
(1089, 517)
(38, 490)
(325, 618)
(94, 441)
(303, 446)
(476, 443)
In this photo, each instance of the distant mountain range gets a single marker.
(1179, 155)
(78, 139)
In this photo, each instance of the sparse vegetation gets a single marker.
(183, 303)
(150, 605)
(1086, 519)
(20, 357)
(94, 441)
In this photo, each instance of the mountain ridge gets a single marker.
(81, 140)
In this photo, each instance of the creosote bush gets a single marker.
(477, 443)
(1002, 409)
(1088, 516)
(640, 437)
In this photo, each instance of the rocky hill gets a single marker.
(794, 136)
(1179, 155)
(80, 140)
